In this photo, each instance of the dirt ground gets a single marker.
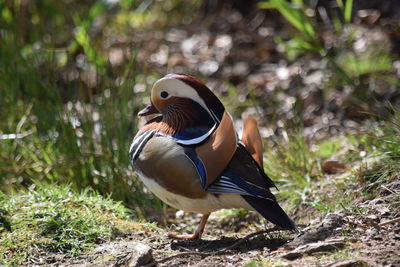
(234, 239)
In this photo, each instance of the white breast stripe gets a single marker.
(215, 116)
(197, 139)
(136, 140)
(138, 143)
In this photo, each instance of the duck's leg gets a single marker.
(197, 234)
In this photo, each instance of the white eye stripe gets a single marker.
(178, 88)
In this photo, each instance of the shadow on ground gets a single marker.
(258, 242)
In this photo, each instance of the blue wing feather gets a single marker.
(191, 153)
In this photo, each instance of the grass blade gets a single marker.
(348, 8)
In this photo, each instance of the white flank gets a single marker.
(204, 205)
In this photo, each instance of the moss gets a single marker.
(49, 218)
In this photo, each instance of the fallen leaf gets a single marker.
(333, 166)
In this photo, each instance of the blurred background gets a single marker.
(74, 74)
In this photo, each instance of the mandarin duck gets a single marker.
(190, 157)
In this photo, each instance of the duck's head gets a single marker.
(184, 98)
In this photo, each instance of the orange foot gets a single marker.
(197, 234)
(187, 237)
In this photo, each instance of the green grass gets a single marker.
(49, 218)
(295, 164)
(390, 139)
(85, 144)
(57, 130)
(386, 170)
(66, 133)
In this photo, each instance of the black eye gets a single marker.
(164, 94)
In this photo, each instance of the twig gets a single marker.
(15, 135)
(220, 251)
(390, 190)
(395, 220)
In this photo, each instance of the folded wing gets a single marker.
(244, 176)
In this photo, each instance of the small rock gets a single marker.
(179, 214)
(384, 210)
(123, 253)
(332, 220)
(311, 236)
(325, 229)
(372, 217)
(313, 248)
(141, 255)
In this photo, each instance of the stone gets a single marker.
(323, 231)
(332, 220)
(308, 249)
(311, 236)
(123, 253)
(141, 255)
